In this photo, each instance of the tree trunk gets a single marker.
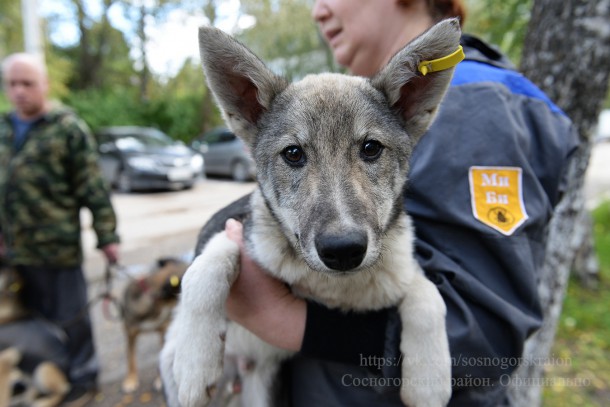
(144, 72)
(92, 45)
(85, 64)
(567, 54)
(586, 264)
(99, 55)
(207, 102)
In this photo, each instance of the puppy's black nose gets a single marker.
(342, 253)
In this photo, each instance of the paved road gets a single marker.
(166, 224)
(160, 223)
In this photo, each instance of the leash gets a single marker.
(108, 299)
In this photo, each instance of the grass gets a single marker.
(583, 334)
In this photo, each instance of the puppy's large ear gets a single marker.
(241, 83)
(413, 95)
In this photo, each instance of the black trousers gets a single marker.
(60, 296)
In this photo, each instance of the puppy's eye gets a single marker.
(294, 156)
(371, 150)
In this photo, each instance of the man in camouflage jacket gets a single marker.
(49, 171)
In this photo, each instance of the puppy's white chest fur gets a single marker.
(380, 286)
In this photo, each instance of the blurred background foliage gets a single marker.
(502, 23)
(582, 345)
(104, 75)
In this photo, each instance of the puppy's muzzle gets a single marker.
(342, 252)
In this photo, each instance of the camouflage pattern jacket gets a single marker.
(43, 186)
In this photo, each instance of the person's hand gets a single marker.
(262, 304)
(111, 251)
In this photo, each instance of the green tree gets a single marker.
(502, 23)
(93, 41)
(100, 56)
(143, 13)
(285, 36)
(11, 36)
(209, 115)
(11, 27)
(113, 69)
(192, 109)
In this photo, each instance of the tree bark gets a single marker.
(207, 100)
(586, 264)
(92, 45)
(567, 54)
(144, 72)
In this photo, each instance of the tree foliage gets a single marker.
(285, 36)
(11, 27)
(502, 23)
(112, 69)
(107, 63)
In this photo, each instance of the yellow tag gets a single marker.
(443, 63)
(174, 281)
(497, 197)
(15, 287)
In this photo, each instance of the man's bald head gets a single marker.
(26, 84)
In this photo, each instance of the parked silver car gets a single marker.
(225, 154)
(133, 157)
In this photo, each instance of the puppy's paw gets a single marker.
(158, 384)
(425, 392)
(426, 368)
(197, 368)
(426, 377)
(198, 388)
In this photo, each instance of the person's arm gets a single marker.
(111, 251)
(90, 188)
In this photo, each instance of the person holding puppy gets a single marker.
(49, 172)
(482, 187)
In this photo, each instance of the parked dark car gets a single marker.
(225, 154)
(133, 158)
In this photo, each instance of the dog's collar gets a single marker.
(443, 63)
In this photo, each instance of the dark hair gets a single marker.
(441, 9)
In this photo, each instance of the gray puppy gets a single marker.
(332, 155)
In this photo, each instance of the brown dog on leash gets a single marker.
(26, 378)
(148, 303)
